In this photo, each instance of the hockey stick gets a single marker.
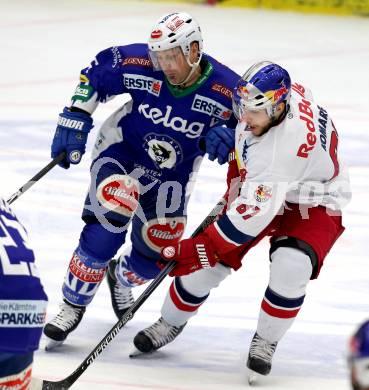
(60, 157)
(69, 380)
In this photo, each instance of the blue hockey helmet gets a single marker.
(263, 86)
(359, 357)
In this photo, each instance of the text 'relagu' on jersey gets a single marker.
(162, 124)
(22, 298)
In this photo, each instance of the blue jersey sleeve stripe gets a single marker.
(231, 232)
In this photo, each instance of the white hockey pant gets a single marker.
(187, 293)
(290, 272)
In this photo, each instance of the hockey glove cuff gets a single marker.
(219, 142)
(190, 254)
(71, 136)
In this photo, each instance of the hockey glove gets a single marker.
(71, 136)
(219, 142)
(190, 254)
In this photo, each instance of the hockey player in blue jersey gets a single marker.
(359, 358)
(145, 158)
(22, 303)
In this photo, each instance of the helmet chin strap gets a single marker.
(193, 66)
(271, 113)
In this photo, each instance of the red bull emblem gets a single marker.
(279, 93)
(242, 90)
(263, 193)
(155, 34)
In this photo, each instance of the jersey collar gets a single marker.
(178, 92)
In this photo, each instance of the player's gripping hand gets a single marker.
(71, 136)
(235, 179)
(219, 142)
(190, 254)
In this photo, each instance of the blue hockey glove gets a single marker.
(71, 136)
(219, 142)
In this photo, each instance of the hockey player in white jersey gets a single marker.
(293, 187)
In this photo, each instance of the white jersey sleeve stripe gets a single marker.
(225, 238)
(230, 233)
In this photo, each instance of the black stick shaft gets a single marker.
(69, 380)
(37, 177)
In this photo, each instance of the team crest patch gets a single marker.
(159, 235)
(163, 150)
(263, 193)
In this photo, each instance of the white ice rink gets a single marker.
(43, 45)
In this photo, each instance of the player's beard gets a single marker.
(258, 131)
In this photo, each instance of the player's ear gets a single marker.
(280, 108)
(194, 51)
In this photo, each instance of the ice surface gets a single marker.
(44, 44)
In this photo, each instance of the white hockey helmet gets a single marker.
(177, 29)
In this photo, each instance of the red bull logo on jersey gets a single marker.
(263, 193)
(307, 117)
